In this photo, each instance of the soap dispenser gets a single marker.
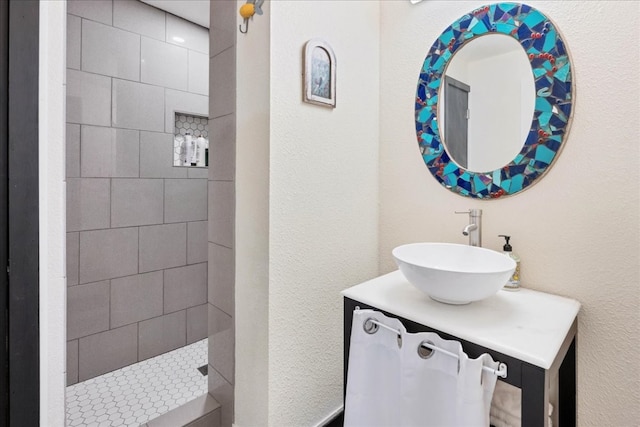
(514, 281)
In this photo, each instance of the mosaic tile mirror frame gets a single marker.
(552, 75)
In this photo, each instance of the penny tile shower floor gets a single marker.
(141, 392)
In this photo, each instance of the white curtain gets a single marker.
(390, 385)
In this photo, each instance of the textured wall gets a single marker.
(136, 225)
(577, 230)
(323, 201)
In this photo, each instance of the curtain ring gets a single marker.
(370, 327)
(425, 352)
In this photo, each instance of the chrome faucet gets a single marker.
(474, 228)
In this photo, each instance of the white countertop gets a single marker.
(526, 324)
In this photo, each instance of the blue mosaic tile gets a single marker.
(552, 73)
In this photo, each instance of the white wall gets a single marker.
(577, 231)
(52, 212)
(323, 201)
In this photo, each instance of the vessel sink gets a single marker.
(452, 273)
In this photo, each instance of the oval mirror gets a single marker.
(493, 101)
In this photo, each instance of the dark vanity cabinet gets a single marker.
(532, 333)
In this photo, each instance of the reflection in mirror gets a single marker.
(486, 104)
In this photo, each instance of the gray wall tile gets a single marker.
(72, 362)
(221, 277)
(96, 10)
(218, 320)
(185, 200)
(109, 152)
(73, 258)
(197, 242)
(97, 146)
(73, 41)
(222, 13)
(163, 246)
(164, 64)
(197, 323)
(110, 51)
(221, 391)
(162, 334)
(87, 204)
(222, 91)
(198, 73)
(197, 173)
(183, 102)
(102, 95)
(156, 156)
(136, 298)
(73, 151)
(138, 106)
(185, 287)
(221, 353)
(221, 212)
(222, 148)
(133, 15)
(88, 98)
(87, 309)
(108, 351)
(212, 419)
(136, 202)
(185, 414)
(194, 36)
(106, 254)
(127, 153)
(221, 216)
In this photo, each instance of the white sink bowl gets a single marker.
(452, 273)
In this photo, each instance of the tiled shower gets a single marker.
(136, 225)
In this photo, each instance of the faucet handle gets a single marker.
(470, 212)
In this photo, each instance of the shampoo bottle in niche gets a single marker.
(514, 281)
(201, 147)
(189, 151)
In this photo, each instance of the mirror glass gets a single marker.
(486, 103)
(520, 101)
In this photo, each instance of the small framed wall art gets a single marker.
(319, 73)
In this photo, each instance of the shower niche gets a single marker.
(190, 140)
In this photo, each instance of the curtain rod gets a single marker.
(371, 327)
